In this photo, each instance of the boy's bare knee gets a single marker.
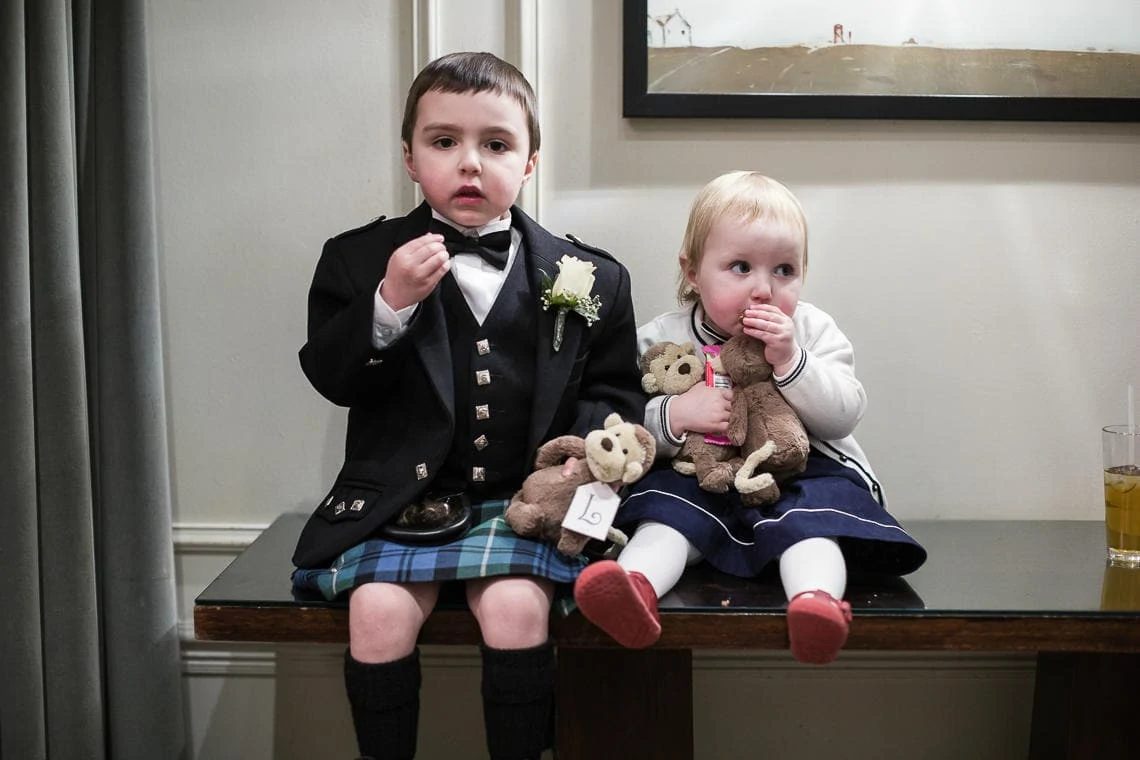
(384, 619)
(513, 613)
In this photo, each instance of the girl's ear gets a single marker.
(409, 164)
(690, 275)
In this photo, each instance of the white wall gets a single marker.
(987, 274)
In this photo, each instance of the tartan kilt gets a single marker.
(491, 548)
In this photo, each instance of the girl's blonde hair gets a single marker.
(747, 196)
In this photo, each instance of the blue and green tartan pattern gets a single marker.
(490, 548)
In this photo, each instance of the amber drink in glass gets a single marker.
(1120, 444)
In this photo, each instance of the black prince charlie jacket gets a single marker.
(401, 399)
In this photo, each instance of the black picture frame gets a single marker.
(639, 102)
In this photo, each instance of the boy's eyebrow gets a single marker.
(499, 130)
(440, 126)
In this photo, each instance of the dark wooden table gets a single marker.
(995, 586)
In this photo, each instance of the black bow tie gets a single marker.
(491, 247)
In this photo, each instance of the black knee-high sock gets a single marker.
(518, 701)
(385, 701)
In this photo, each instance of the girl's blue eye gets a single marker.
(785, 270)
(740, 267)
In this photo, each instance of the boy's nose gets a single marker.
(469, 161)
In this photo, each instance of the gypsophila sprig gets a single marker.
(570, 292)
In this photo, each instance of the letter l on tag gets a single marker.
(592, 510)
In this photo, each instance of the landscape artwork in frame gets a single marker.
(1055, 60)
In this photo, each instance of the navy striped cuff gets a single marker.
(796, 371)
(666, 432)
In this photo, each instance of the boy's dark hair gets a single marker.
(472, 72)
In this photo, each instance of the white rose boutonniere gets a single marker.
(570, 291)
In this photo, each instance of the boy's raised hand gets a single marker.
(701, 409)
(414, 269)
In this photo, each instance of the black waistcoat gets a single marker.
(494, 387)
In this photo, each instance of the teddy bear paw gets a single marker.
(762, 496)
(718, 479)
(616, 537)
(754, 484)
(746, 480)
(684, 468)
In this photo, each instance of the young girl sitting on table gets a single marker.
(742, 263)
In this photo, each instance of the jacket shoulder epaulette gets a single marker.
(362, 228)
(587, 247)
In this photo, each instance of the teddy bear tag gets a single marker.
(592, 510)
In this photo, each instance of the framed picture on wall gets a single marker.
(1026, 60)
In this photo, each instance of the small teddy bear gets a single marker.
(771, 437)
(619, 453)
(670, 368)
(673, 368)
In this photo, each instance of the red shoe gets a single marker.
(622, 604)
(817, 626)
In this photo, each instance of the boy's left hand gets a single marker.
(777, 330)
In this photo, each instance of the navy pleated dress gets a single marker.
(826, 500)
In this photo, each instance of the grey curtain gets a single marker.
(89, 650)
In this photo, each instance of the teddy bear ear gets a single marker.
(612, 419)
(651, 354)
(648, 447)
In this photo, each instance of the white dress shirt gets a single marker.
(479, 282)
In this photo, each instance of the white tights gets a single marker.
(661, 554)
(814, 564)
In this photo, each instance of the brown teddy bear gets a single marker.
(619, 453)
(673, 368)
(769, 443)
(771, 437)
